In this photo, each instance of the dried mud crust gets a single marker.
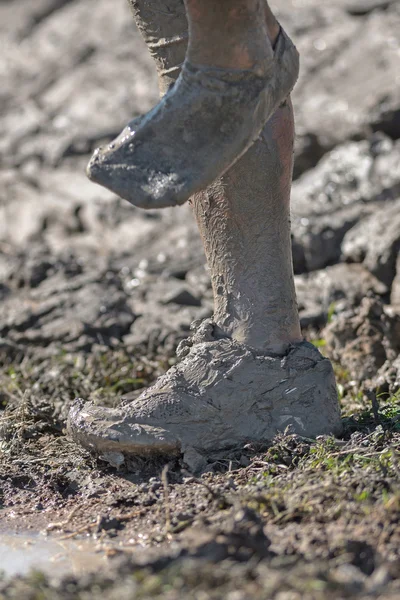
(366, 342)
(221, 396)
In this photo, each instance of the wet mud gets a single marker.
(21, 554)
(95, 296)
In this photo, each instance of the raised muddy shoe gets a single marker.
(204, 123)
(221, 396)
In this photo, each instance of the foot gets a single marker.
(220, 396)
(206, 121)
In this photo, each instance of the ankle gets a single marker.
(229, 34)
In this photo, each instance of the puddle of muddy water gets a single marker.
(20, 554)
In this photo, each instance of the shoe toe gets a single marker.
(106, 430)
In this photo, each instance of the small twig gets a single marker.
(371, 395)
(82, 529)
(62, 524)
(90, 526)
(355, 451)
(35, 461)
(164, 480)
(9, 418)
(128, 516)
(23, 417)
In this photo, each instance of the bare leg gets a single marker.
(231, 83)
(246, 216)
(247, 374)
(245, 225)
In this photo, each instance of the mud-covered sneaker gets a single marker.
(202, 126)
(221, 396)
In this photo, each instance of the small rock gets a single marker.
(340, 287)
(350, 183)
(375, 241)
(115, 459)
(364, 339)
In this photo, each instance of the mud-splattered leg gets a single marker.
(244, 217)
(163, 25)
(231, 83)
(248, 374)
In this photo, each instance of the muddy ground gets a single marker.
(95, 295)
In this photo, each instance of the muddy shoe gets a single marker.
(219, 397)
(207, 120)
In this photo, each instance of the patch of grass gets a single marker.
(37, 393)
(59, 379)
